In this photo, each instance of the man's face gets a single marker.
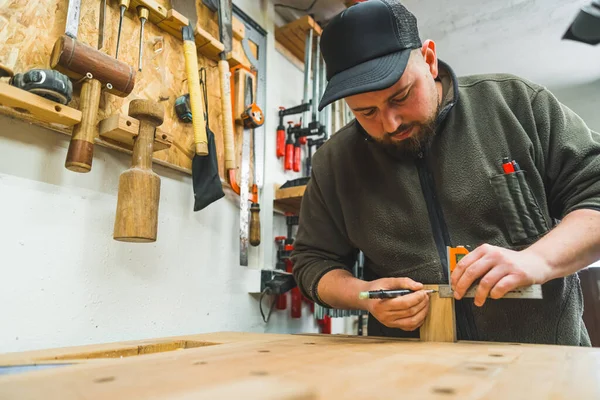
(402, 117)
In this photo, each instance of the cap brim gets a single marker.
(377, 74)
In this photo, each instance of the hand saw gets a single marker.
(245, 176)
(455, 254)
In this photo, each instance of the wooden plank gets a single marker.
(440, 323)
(157, 12)
(123, 129)
(293, 35)
(327, 367)
(173, 23)
(24, 102)
(207, 45)
(289, 199)
(238, 28)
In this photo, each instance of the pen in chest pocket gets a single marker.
(507, 165)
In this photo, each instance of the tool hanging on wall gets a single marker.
(289, 147)
(225, 36)
(242, 84)
(47, 83)
(296, 295)
(94, 69)
(281, 301)
(252, 118)
(281, 139)
(139, 187)
(102, 23)
(205, 169)
(307, 66)
(123, 6)
(250, 122)
(188, 9)
(183, 109)
(143, 13)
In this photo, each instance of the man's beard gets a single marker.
(421, 138)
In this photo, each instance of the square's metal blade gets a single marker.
(528, 292)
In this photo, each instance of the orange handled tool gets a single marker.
(280, 151)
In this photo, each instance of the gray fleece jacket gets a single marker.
(403, 213)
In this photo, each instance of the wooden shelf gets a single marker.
(171, 21)
(289, 199)
(122, 129)
(293, 35)
(31, 107)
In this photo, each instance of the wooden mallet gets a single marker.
(95, 69)
(139, 186)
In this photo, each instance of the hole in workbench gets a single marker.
(443, 390)
(310, 343)
(164, 137)
(477, 368)
(22, 110)
(496, 355)
(259, 373)
(105, 379)
(58, 108)
(128, 123)
(264, 351)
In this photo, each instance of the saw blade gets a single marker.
(528, 292)
(244, 197)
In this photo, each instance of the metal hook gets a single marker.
(88, 75)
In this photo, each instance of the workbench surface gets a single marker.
(269, 366)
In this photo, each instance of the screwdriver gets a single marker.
(388, 294)
(124, 5)
(143, 13)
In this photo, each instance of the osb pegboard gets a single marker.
(29, 29)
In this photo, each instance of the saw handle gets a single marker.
(198, 121)
(254, 224)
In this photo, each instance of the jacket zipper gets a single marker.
(441, 237)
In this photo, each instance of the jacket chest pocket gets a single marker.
(519, 208)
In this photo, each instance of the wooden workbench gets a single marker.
(268, 366)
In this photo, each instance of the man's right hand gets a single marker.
(405, 312)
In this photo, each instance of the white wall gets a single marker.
(65, 281)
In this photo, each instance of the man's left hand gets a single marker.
(501, 270)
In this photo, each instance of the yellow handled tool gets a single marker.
(224, 78)
(193, 78)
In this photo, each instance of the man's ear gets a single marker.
(430, 57)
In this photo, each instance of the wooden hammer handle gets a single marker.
(198, 121)
(224, 78)
(81, 148)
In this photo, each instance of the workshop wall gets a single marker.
(66, 282)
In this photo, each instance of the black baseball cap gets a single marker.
(366, 48)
